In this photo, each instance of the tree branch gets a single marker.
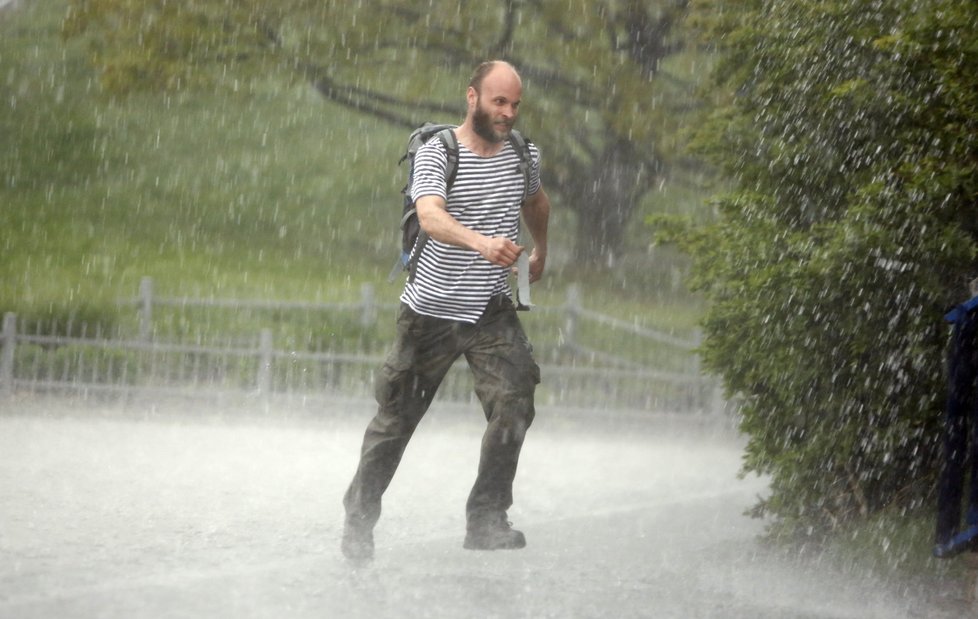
(351, 98)
(505, 42)
(371, 102)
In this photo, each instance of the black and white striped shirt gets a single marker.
(455, 283)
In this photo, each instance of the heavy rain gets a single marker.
(750, 229)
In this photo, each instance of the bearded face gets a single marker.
(490, 128)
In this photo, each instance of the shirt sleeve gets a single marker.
(430, 171)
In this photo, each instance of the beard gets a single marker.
(485, 128)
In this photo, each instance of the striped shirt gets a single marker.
(455, 283)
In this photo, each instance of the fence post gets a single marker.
(368, 316)
(145, 308)
(572, 305)
(7, 354)
(265, 351)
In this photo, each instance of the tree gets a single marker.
(849, 130)
(607, 104)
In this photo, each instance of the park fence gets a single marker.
(90, 360)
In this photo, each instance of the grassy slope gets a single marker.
(266, 192)
(209, 194)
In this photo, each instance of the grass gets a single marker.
(269, 192)
(897, 544)
(266, 191)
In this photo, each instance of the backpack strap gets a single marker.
(522, 147)
(450, 142)
(521, 293)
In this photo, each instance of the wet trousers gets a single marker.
(960, 430)
(505, 376)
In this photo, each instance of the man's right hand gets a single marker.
(501, 251)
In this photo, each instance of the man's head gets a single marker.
(493, 98)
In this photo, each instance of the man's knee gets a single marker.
(512, 415)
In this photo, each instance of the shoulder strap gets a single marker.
(522, 148)
(450, 142)
(521, 293)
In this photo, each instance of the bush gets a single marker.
(850, 137)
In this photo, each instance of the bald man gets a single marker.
(457, 302)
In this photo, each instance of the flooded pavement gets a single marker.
(189, 511)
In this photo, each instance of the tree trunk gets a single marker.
(604, 197)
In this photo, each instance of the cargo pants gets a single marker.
(505, 376)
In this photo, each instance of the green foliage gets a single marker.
(850, 136)
(267, 192)
(164, 45)
(608, 83)
(895, 542)
(270, 192)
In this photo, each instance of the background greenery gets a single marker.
(251, 188)
(610, 84)
(850, 131)
(247, 185)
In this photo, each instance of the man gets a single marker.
(456, 303)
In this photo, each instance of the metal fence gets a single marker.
(83, 359)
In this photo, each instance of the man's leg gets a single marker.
(505, 377)
(384, 442)
(961, 377)
(423, 352)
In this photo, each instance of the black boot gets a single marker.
(358, 543)
(493, 534)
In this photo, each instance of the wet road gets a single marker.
(188, 511)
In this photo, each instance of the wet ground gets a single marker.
(197, 510)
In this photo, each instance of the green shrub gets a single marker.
(852, 142)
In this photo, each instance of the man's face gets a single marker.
(491, 126)
(496, 105)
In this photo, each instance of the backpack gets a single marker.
(411, 232)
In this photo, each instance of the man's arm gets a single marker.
(536, 215)
(441, 226)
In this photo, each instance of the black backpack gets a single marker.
(411, 232)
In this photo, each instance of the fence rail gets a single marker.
(31, 362)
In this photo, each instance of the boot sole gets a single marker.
(479, 544)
